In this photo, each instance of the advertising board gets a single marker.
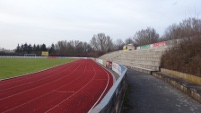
(116, 68)
(158, 44)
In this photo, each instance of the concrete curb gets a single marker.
(191, 89)
(185, 76)
(143, 70)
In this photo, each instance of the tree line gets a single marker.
(186, 56)
(101, 43)
(28, 48)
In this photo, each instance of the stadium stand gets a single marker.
(143, 60)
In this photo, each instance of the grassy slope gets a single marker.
(10, 67)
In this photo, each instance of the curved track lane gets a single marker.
(71, 88)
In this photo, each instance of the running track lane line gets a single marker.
(35, 75)
(30, 89)
(94, 75)
(30, 74)
(36, 87)
(42, 95)
(37, 80)
(72, 94)
(103, 91)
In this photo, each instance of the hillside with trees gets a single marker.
(185, 57)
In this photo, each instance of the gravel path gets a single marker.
(150, 95)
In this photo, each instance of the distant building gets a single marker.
(129, 47)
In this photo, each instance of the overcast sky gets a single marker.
(49, 21)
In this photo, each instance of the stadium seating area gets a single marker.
(141, 59)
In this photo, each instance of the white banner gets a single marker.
(116, 68)
(99, 61)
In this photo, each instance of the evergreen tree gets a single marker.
(52, 49)
(43, 47)
(29, 49)
(18, 49)
(37, 48)
(34, 48)
(22, 48)
(25, 49)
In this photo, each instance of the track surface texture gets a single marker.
(70, 88)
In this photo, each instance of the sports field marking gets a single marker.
(38, 86)
(36, 80)
(71, 95)
(78, 90)
(108, 80)
(40, 96)
(36, 74)
(10, 67)
(64, 91)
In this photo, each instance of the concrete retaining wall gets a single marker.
(191, 89)
(185, 76)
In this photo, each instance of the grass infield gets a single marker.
(10, 67)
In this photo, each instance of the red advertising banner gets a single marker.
(109, 64)
(159, 44)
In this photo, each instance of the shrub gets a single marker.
(185, 57)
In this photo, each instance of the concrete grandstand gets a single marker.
(144, 59)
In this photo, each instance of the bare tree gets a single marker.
(146, 36)
(171, 32)
(101, 42)
(73, 48)
(61, 47)
(188, 28)
(129, 41)
(87, 48)
(185, 57)
(119, 44)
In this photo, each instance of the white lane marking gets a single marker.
(35, 81)
(43, 94)
(103, 90)
(24, 76)
(72, 94)
(37, 87)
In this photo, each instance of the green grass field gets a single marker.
(10, 67)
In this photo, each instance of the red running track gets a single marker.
(70, 88)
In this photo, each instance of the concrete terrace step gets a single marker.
(147, 62)
(151, 59)
(143, 58)
(141, 69)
